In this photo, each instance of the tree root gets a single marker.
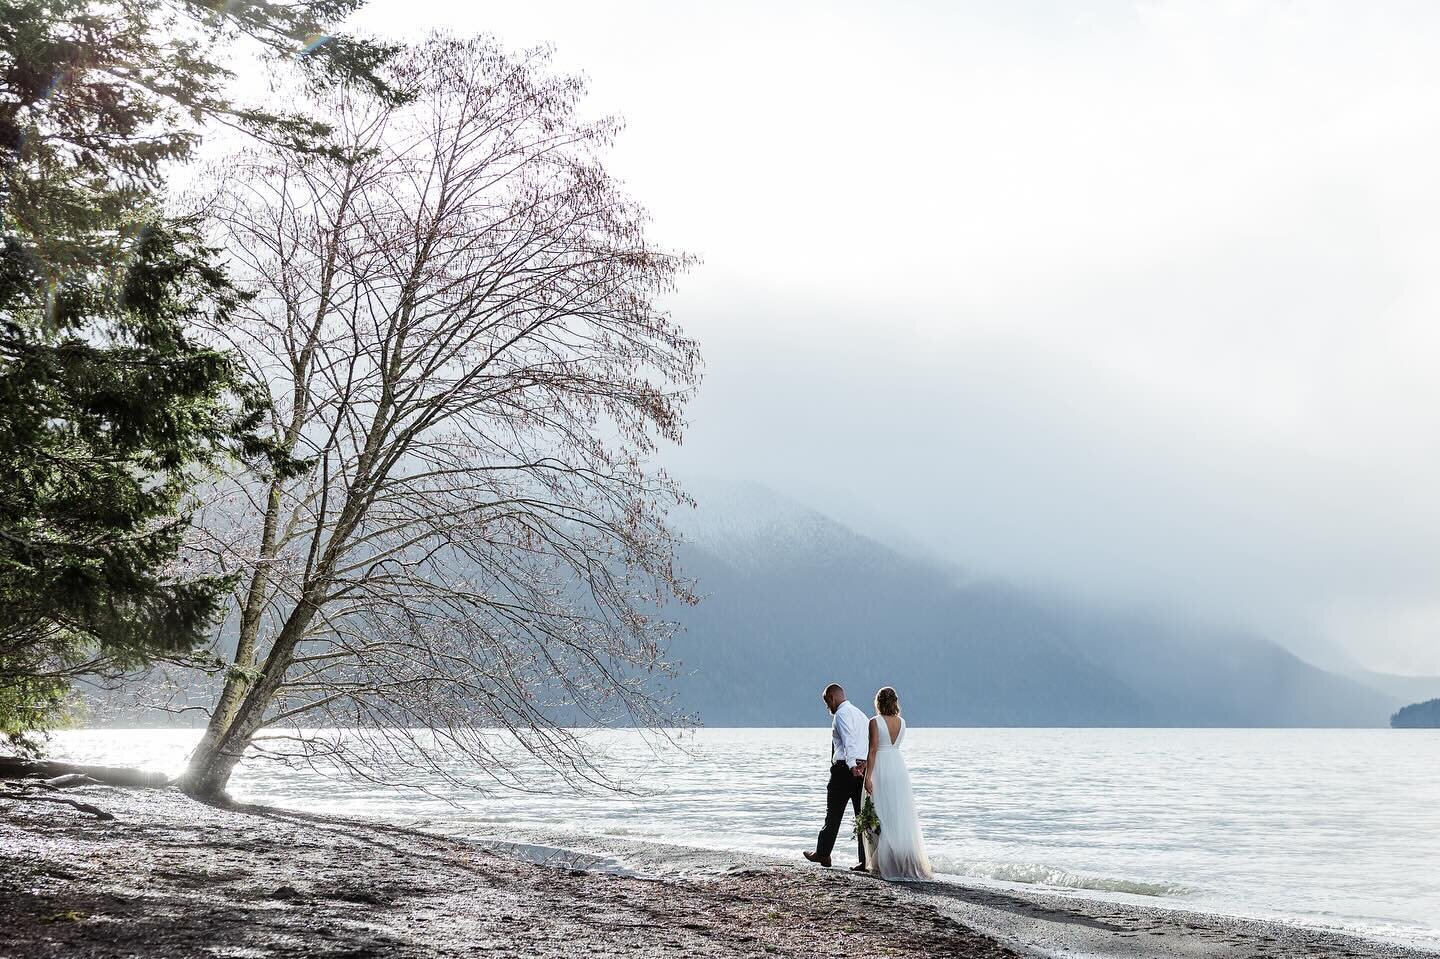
(19, 795)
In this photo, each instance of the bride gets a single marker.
(900, 852)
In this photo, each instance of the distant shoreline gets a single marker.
(171, 877)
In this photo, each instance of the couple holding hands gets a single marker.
(866, 759)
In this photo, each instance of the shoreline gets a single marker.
(1031, 919)
(173, 877)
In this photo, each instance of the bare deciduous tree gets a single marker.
(459, 327)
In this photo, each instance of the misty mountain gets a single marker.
(793, 599)
(1408, 689)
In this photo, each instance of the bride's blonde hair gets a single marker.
(887, 701)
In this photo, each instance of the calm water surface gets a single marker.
(1335, 828)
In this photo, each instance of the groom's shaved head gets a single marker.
(835, 689)
(834, 695)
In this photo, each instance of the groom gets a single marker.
(849, 745)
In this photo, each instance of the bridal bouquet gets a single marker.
(867, 829)
(868, 820)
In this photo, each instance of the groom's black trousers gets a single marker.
(844, 787)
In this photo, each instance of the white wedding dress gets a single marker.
(900, 853)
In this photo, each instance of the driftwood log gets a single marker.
(13, 767)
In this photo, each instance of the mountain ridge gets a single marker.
(793, 599)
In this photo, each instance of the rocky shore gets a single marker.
(171, 877)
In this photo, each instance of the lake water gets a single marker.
(1333, 828)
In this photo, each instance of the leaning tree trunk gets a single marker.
(230, 734)
(227, 739)
(242, 705)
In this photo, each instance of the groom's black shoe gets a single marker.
(859, 867)
(815, 857)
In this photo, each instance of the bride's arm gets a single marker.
(870, 759)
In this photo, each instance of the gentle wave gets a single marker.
(1035, 874)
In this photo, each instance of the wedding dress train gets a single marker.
(900, 853)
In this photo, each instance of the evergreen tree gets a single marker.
(109, 410)
(1424, 715)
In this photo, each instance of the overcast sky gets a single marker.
(1137, 299)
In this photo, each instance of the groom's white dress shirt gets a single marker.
(850, 734)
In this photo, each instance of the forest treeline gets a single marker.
(1424, 715)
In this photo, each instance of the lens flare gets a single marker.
(312, 43)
